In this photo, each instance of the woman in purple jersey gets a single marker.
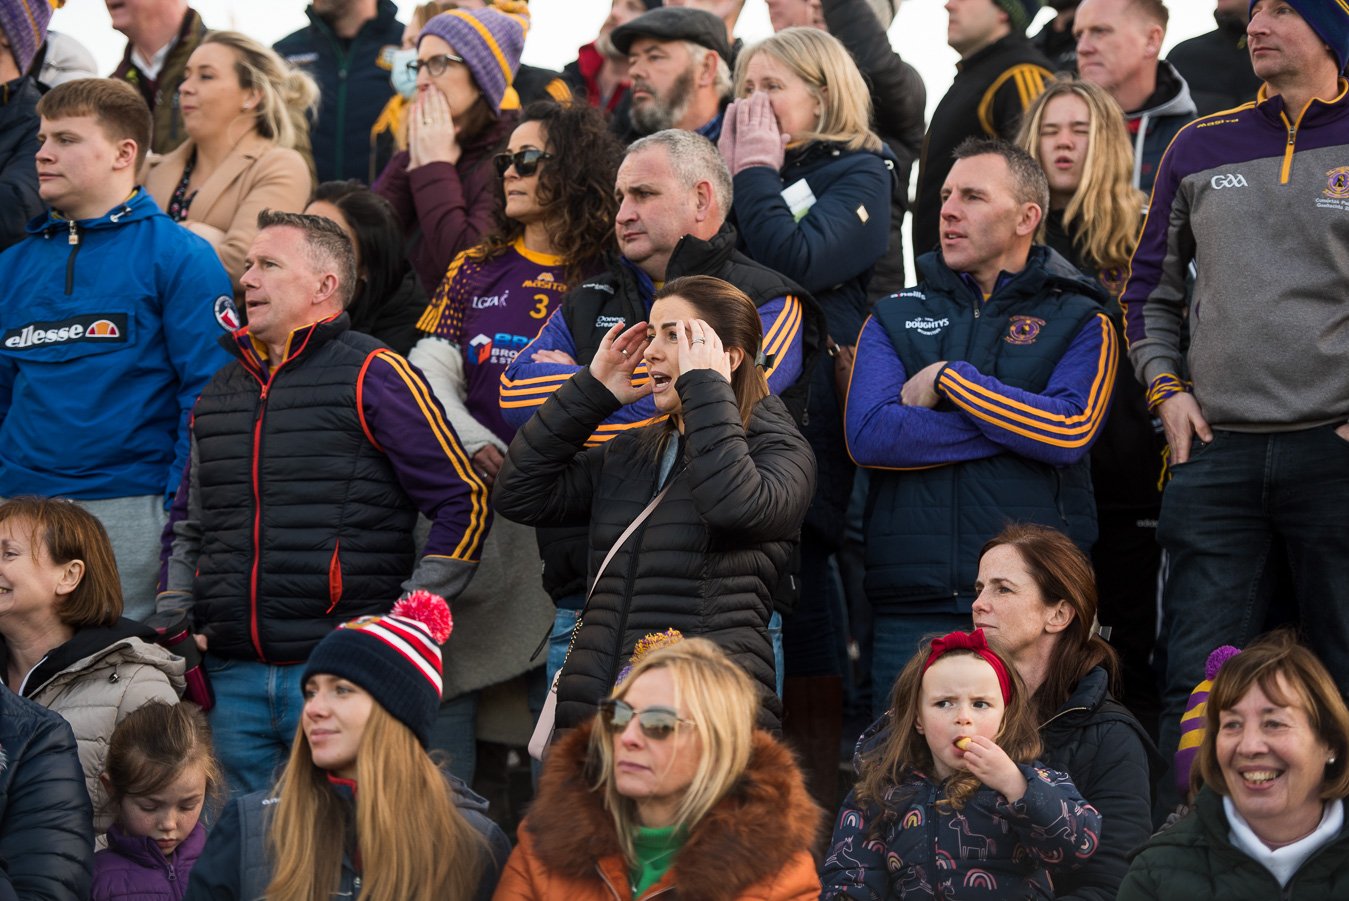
(553, 225)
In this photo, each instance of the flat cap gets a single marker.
(676, 23)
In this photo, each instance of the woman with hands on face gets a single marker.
(737, 475)
(443, 185)
(953, 782)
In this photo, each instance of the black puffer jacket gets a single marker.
(1096, 740)
(705, 559)
(46, 825)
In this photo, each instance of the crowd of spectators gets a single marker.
(364, 391)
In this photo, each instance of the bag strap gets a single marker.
(622, 539)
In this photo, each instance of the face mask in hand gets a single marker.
(403, 79)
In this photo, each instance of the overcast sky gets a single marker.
(560, 26)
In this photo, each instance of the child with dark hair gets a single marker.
(159, 775)
(951, 802)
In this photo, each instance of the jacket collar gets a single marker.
(385, 12)
(694, 255)
(1171, 97)
(1318, 111)
(140, 205)
(1045, 272)
(1015, 40)
(305, 339)
(749, 835)
(144, 851)
(85, 642)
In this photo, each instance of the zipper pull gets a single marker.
(74, 237)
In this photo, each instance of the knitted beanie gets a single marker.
(1192, 721)
(24, 23)
(1330, 20)
(394, 658)
(1021, 12)
(490, 42)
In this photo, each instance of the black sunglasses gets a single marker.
(435, 65)
(656, 723)
(526, 162)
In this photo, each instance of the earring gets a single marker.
(1330, 762)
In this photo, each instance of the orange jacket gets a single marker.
(752, 846)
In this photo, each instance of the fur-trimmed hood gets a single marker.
(750, 836)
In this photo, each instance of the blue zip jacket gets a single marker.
(353, 79)
(107, 335)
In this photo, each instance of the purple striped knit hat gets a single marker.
(24, 23)
(1192, 721)
(490, 42)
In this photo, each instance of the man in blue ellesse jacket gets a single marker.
(974, 399)
(108, 330)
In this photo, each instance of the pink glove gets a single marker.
(758, 142)
(726, 143)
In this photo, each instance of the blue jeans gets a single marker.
(564, 621)
(775, 636)
(257, 711)
(1226, 515)
(897, 637)
(455, 733)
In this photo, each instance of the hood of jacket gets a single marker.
(1046, 272)
(131, 640)
(749, 835)
(140, 205)
(1171, 97)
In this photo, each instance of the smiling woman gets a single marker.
(1273, 773)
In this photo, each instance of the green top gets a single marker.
(655, 849)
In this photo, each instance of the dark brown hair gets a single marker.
(154, 744)
(117, 107)
(735, 319)
(904, 748)
(1262, 663)
(69, 532)
(1062, 573)
(576, 187)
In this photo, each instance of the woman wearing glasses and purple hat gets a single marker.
(670, 787)
(443, 186)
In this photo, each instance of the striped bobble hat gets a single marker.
(24, 23)
(1192, 721)
(394, 658)
(490, 42)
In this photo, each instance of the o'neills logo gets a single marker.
(927, 326)
(96, 327)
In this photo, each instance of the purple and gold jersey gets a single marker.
(491, 309)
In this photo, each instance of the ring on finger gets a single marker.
(699, 340)
(624, 351)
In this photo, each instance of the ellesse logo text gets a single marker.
(100, 328)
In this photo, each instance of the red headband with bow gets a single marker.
(972, 641)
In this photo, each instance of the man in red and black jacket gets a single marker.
(312, 454)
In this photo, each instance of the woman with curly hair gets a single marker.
(553, 227)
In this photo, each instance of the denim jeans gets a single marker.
(1226, 515)
(775, 636)
(455, 733)
(257, 710)
(897, 637)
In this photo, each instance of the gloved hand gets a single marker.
(758, 142)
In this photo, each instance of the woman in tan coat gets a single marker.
(243, 110)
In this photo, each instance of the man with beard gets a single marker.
(600, 71)
(1216, 65)
(348, 48)
(161, 35)
(678, 65)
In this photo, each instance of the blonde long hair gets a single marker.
(285, 93)
(719, 698)
(1109, 207)
(818, 59)
(414, 844)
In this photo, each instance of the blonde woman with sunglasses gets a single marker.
(669, 790)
